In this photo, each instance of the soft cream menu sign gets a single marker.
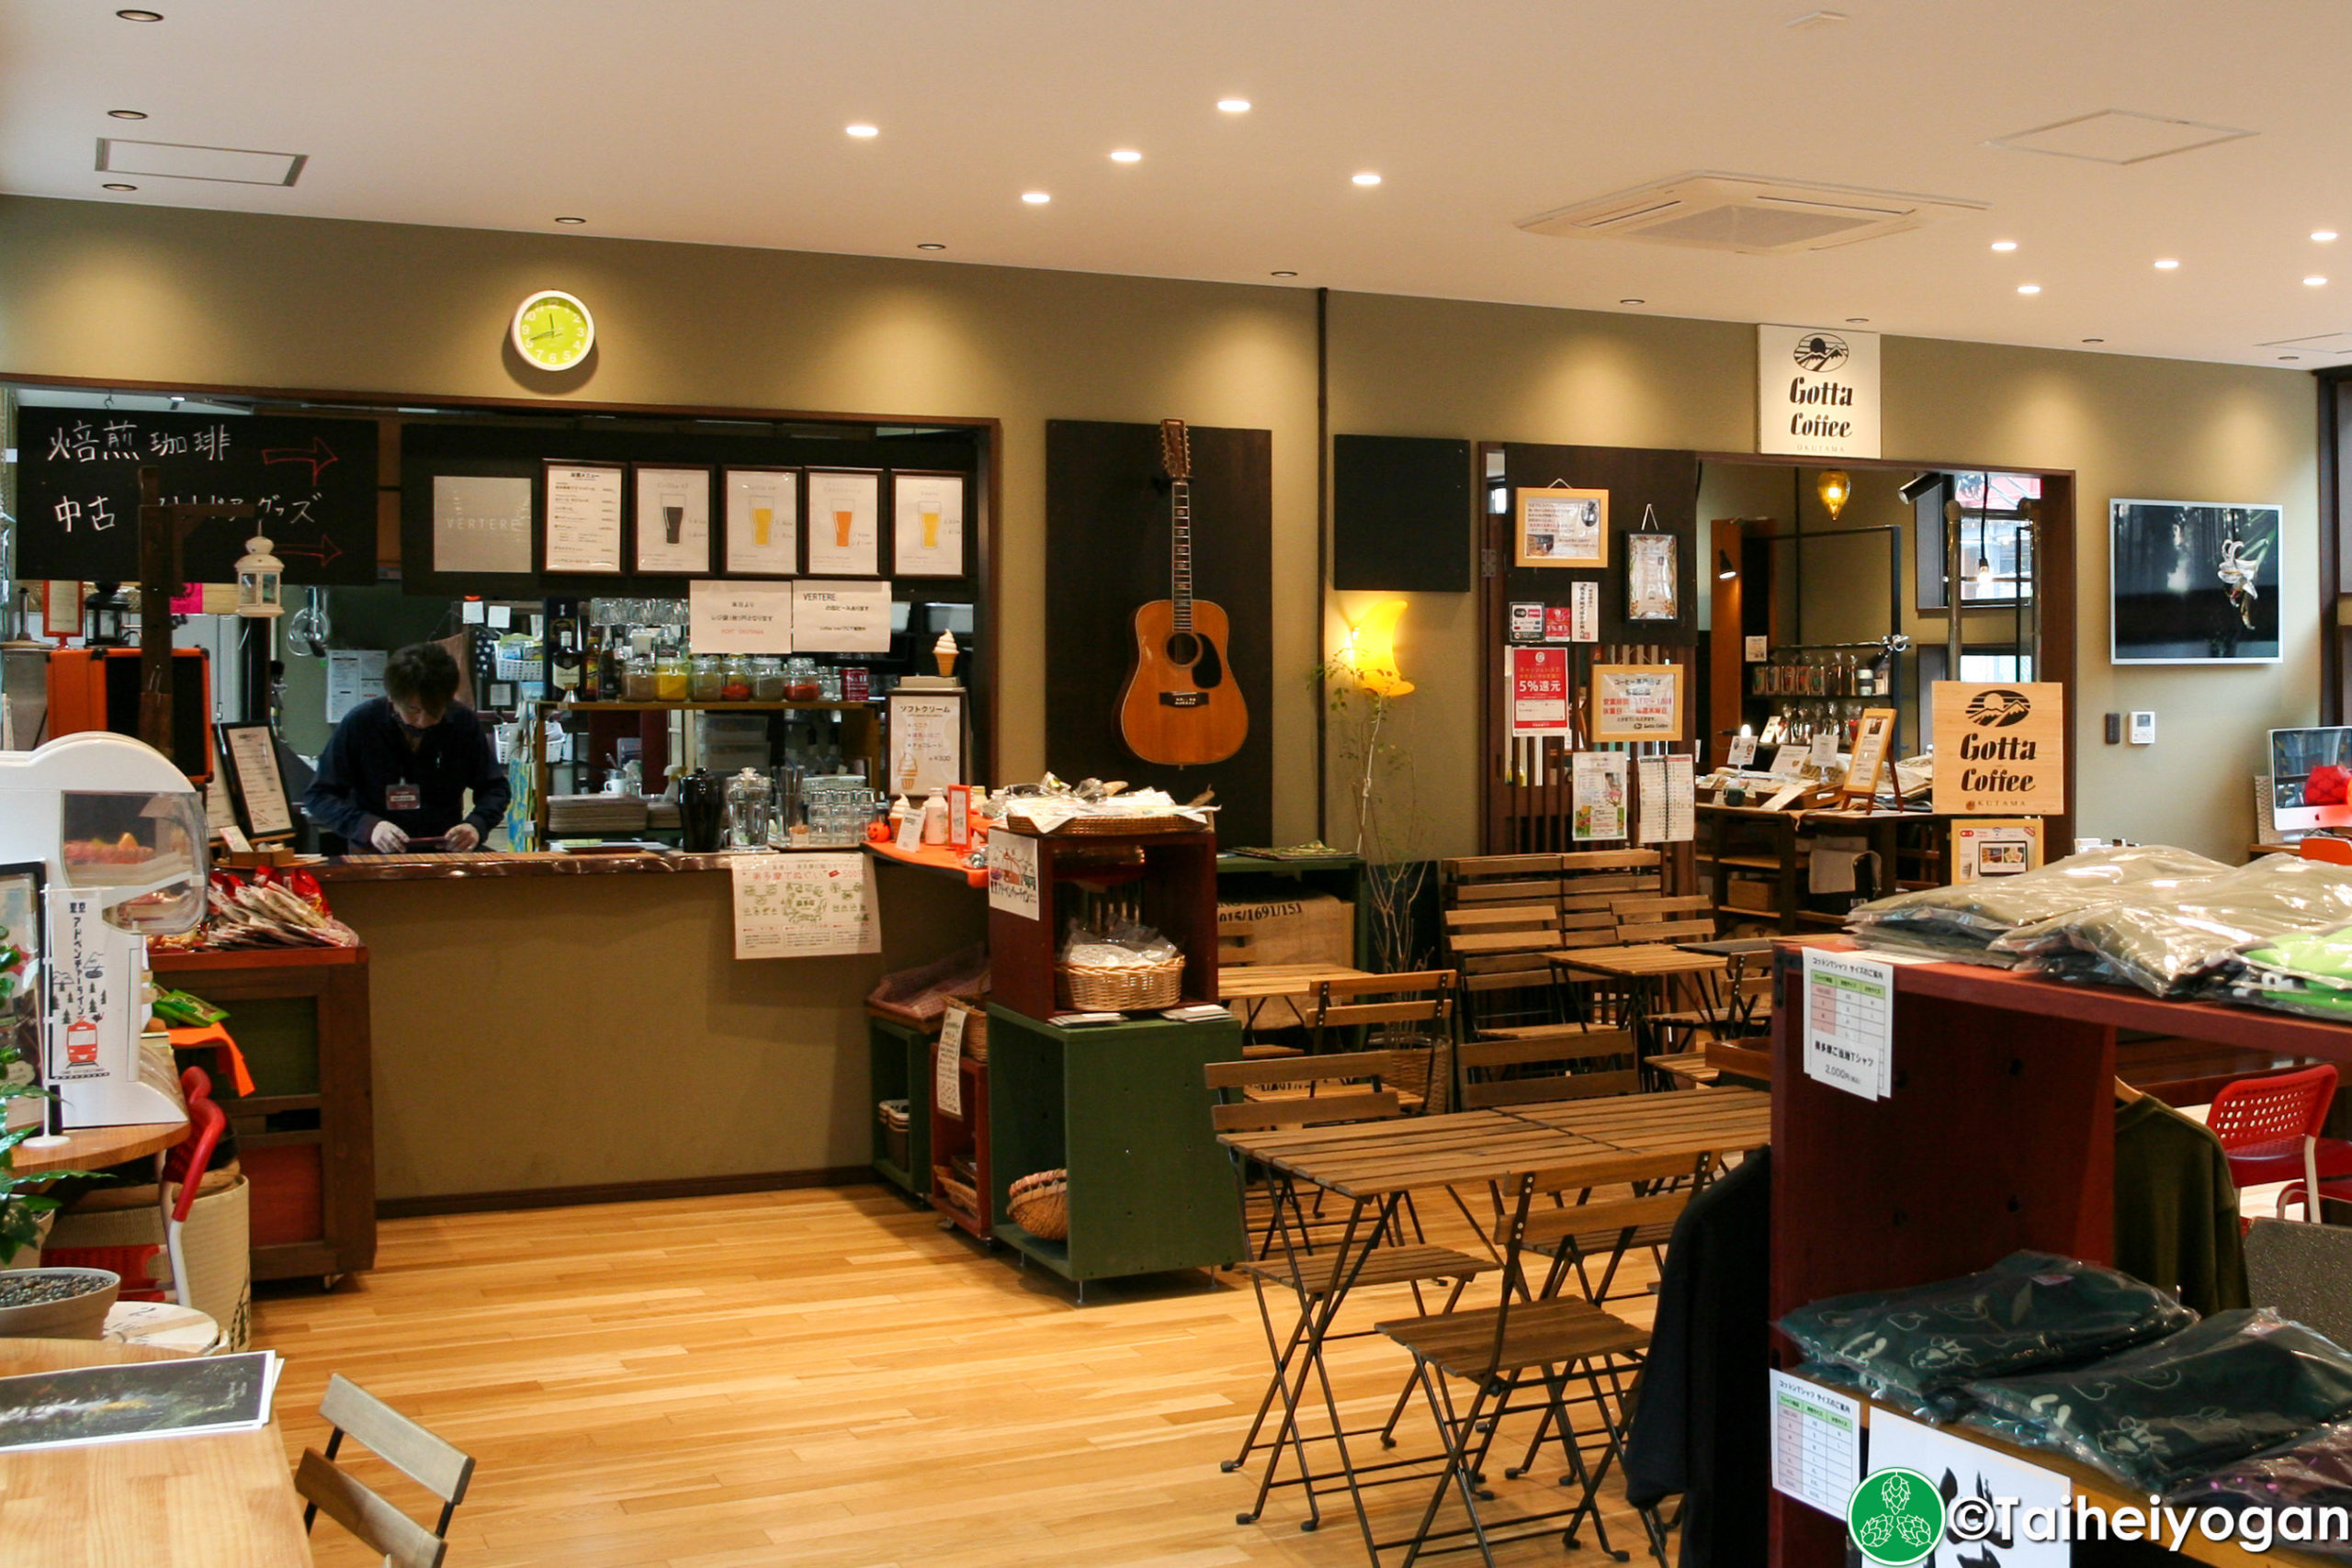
(2000, 749)
(1816, 392)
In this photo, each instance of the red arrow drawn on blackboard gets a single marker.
(321, 457)
(326, 555)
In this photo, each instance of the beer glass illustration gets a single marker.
(763, 515)
(928, 509)
(673, 513)
(842, 517)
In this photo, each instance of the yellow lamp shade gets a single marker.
(1372, 650)
(1836, 486)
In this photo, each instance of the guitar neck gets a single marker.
(1180, 535)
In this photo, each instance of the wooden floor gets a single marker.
(820, 1378)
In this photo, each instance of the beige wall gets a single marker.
(99, 293)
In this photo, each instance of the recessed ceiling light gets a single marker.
(2028, 288)
(2290, 357)
(1035, 197)
(126, 114)
(1234, 105)
(572, 221)
(1285, 274)
(2094, 339)
(118, 186)
(863, 129)
(141, 16)
(1127, 156)
(2005, 244)
(1857, 321)
(1367, 178)
(930, 245)
(2323, 235)
(2314, 281)
(1633, 301)
(2167, 264)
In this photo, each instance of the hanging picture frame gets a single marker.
(761, 507)
(843, 522)
(1555, 525)
(927, 524)
(1652, 592)
(2193, 583)
(585, 519)
(672, 521)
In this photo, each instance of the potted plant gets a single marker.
(38, 1303)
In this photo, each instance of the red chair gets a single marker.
(2323, 847)
(2269, 1128)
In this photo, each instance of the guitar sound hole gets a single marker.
(1183, 647)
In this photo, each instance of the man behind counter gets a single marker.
(398, 766)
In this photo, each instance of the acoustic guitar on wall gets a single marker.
(1180, 707)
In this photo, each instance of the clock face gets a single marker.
(553, 330)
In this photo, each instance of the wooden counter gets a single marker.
(599, 1041)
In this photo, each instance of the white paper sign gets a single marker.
(1973, 1479)
(1669, 800)
(1816, 392)
(840, 618)
(92, 1040)
(234, 836)
(1850, 1022)
(926, 741)
(844, 524)
(583, 517)
(727, 616)
(352, 678)
(1788, 761)
(1596, 795)
(1755, 650)
(1012, 874)
(763, 521)
(804, 906)
(1823, 754)
(1816, 1443)
(482, 523)
(1584, 612)
(946, 1075)
(1743, 751)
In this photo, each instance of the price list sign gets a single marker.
(1850, 1022)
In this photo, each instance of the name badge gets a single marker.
(402, 798)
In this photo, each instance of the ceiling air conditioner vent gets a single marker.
(1748, 214)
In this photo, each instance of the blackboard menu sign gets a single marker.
(312, 481)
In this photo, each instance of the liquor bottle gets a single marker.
(563, 650)
(608, 667)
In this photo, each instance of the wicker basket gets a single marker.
(1126, 988)
(975, 1029)
(1020, 821)
(1040, 1205)
(954, 1191)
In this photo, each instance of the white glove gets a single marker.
(464, 836)
(388, 839)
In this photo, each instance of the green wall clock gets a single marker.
(552, 330)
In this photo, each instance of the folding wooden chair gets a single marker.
(1532, 1067)
(1522, 1356)
(1502, 914)
(424, 1458)
(1293, 1248)
(1413, 1013)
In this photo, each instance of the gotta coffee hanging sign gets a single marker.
(2000, 750)
(1816, 392)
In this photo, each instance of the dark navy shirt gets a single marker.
(369, 751)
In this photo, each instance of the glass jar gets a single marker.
(748, 798)
(800, 682)
(638, 682)
(767, 680)
(707, 678)
(670, 680)
(829, 682)
(735, 682)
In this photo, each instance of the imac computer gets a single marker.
(2310, 779)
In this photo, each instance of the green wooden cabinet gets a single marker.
(1125, 1110)
(901, 1071)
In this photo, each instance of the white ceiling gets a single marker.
(722, 121)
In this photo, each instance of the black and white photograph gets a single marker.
(2194, 583)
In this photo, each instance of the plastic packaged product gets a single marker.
(1917, 1347)
(2315, 1471)
(2309, 973)
(1962, 920)
(2157, 1414)
(2170, 944)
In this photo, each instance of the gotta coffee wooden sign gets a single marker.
(2000, 749)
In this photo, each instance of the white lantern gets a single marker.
(259, 575)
